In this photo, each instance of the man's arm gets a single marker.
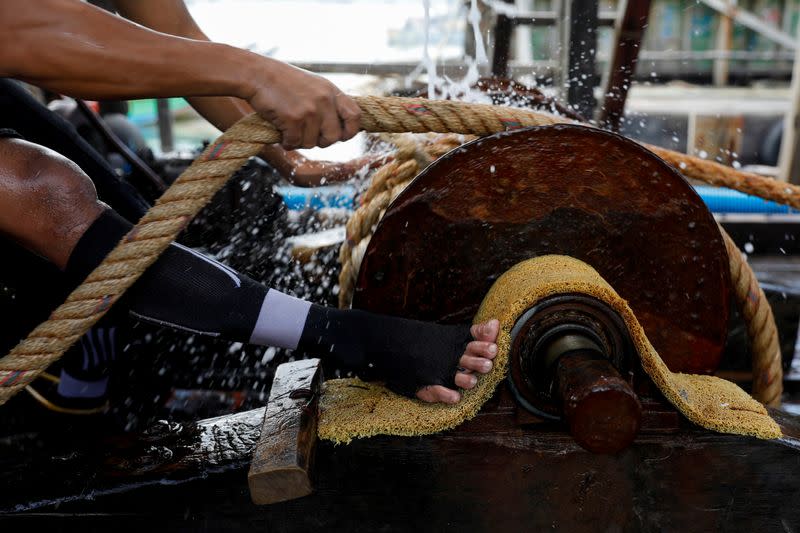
(74, 48)
(172, 17)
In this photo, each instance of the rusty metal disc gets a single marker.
(566, 189)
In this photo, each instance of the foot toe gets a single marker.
(481, 349)
(438, 394)
(466, 381)
(477, 364)
(486, 331)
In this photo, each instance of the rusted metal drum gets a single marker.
(566, 189)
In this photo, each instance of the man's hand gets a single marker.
(307, 109)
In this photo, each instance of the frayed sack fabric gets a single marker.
(350, 408)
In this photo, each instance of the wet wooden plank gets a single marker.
(628, 31)
(485, 478)
(71, 463)
(280, 469)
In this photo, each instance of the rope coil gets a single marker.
(211, 170)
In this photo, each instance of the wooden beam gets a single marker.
(789, 162)
(502, 44)
(580, 75)
(165, 125)
(548, 68)
(303, 247)
(282, 461)
(52, 466)
(523, 47)
(624, 57)
(540, 17)
(755, 23)
(724, 43)
(533, 477)
(719, 136)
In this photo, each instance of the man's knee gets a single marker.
(46, 198)
(43, 177)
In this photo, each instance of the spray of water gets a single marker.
(443, 86)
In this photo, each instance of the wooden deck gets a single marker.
(488, 475)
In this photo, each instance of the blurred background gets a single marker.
(698, 71)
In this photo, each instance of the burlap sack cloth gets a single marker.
(350, 408)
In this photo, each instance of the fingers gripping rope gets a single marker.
(198, 184)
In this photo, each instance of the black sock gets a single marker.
(408, 354)
(182, 289)
(186, 290)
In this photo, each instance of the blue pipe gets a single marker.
(718, 200)
(317, 197)
(721, 200)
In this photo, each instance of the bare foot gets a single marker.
(477, 358)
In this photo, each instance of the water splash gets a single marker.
(475, 22)
(430, 65)
(444, 87)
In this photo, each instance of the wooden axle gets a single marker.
(565, 356)
(601, 409)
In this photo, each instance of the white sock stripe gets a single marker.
(280, 321)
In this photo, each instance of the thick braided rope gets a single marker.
(411, 155)
(761, 330)
(394, 175)
(443, 116)
(198, 184)
(721, 175)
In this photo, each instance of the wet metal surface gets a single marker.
(567, 354)
(570, 190)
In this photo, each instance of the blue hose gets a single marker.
(718, 200)
(317, 197)
(721, 200)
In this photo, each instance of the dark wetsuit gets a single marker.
(31, 287)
